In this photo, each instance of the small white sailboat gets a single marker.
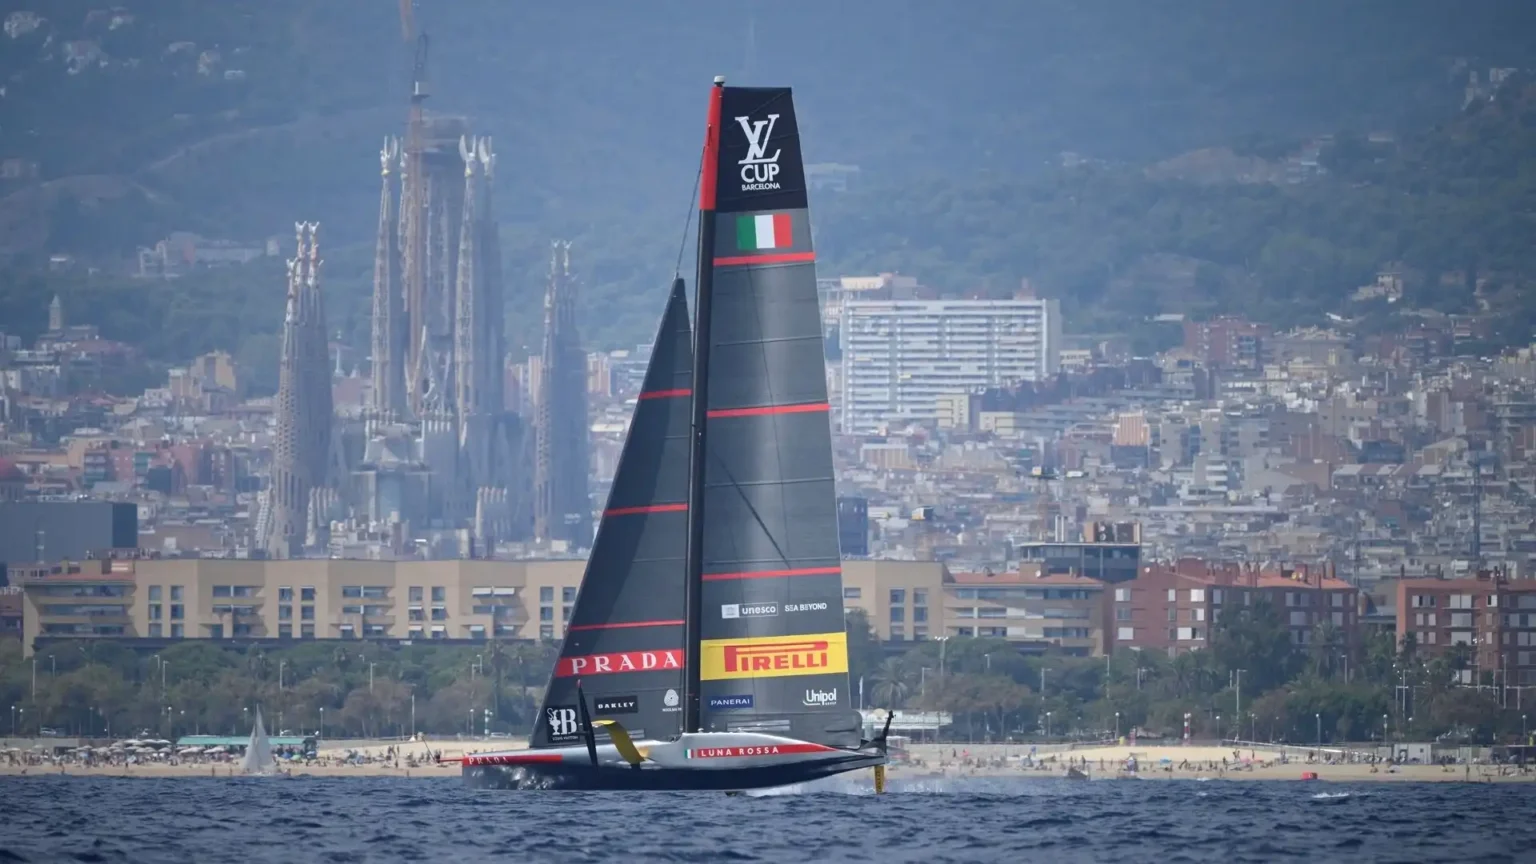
(258, 754)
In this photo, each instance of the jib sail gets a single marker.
(625, 639)
(773, 652)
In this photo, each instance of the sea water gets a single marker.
(340, 819)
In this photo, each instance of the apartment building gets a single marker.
(1064, 610)
(903, 599)
(1493, 617)
(1226, 342)
(10, 613)
(1108, 551)
(1172, 607)
(297, 599)
(900, 357)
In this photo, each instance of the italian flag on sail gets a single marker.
(764, 231)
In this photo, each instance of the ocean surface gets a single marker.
(301, 820)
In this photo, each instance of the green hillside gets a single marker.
(234, 119)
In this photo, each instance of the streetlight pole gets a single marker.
(1238, 674)
(1117, 726)
(1043, 670)
(1047, 725)
(1319, 730)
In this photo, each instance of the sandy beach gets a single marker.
(929, 761)
(1187, 763)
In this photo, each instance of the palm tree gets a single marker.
(889, 684)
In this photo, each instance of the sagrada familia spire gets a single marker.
(562, 509)
(302, 451)
(436, 454)
(438, 404)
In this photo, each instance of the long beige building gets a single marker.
(297, 599)
(204, 598)
(480, 600)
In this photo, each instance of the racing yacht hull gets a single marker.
(707, 761)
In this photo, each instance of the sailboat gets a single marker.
(258, 753)
(706, 649)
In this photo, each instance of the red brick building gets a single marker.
(1171, 607)
(1226, 342)
(1494, 617)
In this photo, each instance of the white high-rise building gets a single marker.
(899, 356)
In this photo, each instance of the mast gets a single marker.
(693, 584)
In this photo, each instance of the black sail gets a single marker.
(773, 654)
(624, 641)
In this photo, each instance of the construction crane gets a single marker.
(1044, 476)
(413, 234)
(418, 80)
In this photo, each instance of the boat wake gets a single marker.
(863, 784)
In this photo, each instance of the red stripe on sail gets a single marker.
(772, 574)
(711, 150)
(649, 508)
(806, 408)
(666, 394)
(771, 258)
(627, 625)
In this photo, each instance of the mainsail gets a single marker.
(624, 641)
(258, 753)
(769, 597)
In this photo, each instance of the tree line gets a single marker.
(1117, 243)
(1250, 682)
(345, 689)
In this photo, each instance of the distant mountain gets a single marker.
(234, 118)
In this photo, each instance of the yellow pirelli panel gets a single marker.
(774, 656)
